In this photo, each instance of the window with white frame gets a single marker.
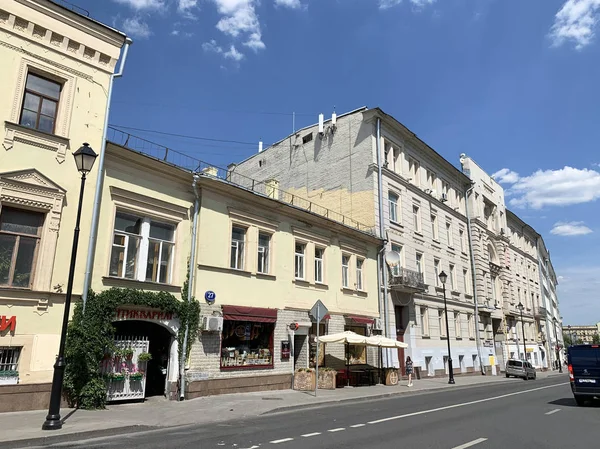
(445, 190)
(436, 271)
(299, 259)
(393, 201)
(345, 271)
(431, 180)
(9, 360)
(424, 317)
(452, 278)
(142, 249)
(238, 247)
(449, 234)
(415, 171)
(20, 233)
(457, 325)
(398, 249)
(494, 292)
(392, 155)
(466, 281)
(264, 252)
(417, 218)
(359, 273)
(463, 242)
(434, 227)
(442, 322)
(319, 255)
(470, 325)
(419, 262)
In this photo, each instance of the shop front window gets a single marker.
(357, 354)
(247, 344)
(313, 345)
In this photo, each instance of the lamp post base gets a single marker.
(53, 422)
(53, 419)
(450, 372)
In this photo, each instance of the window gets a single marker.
(299, 260)
(470, 325)
(463, 243)
(449, 234)
(424, 317)
(441, 323)
(398, 249)
(307, 138)
(419, 261)
(393, 204)
(457, 325)
(518, 294)
(345, 271)
(431, 180)
(417, 218)
(359, 274)
(142, 249)
(319, 253)
(20, 232)
(246, 344)
(434, 227)
(264, 243)
(445, 190)
(40, 103)
(238, 243)
(494, 292)
(391, 158)
(436, 271)
(452, 278)
(9, 361)
(414, 169)
(466, 281)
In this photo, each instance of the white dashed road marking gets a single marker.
(339, 429)
(552, 412)
(314, 434)
(471, 443)
(358, 425)
(284, 440)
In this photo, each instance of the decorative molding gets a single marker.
(248, 218)
(35, 138)
(148, 206)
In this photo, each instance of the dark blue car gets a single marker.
(584, 372)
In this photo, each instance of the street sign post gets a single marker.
(318, 311)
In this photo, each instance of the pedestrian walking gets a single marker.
(409, 370)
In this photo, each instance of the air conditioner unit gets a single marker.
(377, 326)
(212, 323)
(444, 197)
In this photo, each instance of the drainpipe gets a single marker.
(473, 274)
(190, 284)
(549, 349)
(100, 181)
(382, 264)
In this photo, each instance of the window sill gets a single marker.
(472, 338)
(459, 338)
(451, 248)
(144, 285)
(37, 138)
(248, 367)
(322, 285)
(418, 234)
(455, 293)
(353, 292)
(397, 224)
(302, 282)
(425, 337)
(468, 296)
(464, 253)
(443, 337)
(266, 276)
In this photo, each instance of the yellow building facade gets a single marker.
(56, 67)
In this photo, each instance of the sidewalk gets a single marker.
(128, 418)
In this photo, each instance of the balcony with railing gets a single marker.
(194, 165)
(407, 280)
(540, 312)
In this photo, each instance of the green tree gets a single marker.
(567, 339)
(596, 339)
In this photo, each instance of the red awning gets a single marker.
(361, 319)
(256, 314)
(327, 317)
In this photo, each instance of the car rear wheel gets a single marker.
(526, 377)
(580, 401)
(507, 375)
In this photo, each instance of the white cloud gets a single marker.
(185, 8)
(386, 4)
(506, 176)
(175, 33)
(578, 292)
(136, 27)
(562, 187)
(570, 228)
(294, 4)
(575, 22)
(232, 53)
(212, 46)
(143, 4)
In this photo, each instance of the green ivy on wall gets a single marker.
(89, 337)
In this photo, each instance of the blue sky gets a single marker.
(511, 83)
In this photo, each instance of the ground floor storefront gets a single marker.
(258, 349)
(536, 354)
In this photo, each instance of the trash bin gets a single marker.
(418, 372)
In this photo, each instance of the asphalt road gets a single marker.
(513, 414)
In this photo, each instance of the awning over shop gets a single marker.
(256, 314)
(361, 319)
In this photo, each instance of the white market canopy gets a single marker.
(356, 339)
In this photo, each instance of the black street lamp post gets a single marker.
(557, 346)
(444, 277)
(521, 307)
(84, 160)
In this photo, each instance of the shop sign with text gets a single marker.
(8, 323)
(142, 314)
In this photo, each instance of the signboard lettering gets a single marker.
(138, 314)
(8, 323)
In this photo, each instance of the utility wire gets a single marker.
(178, 106)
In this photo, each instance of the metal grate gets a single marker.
(9, 358)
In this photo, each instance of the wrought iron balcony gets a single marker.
(540, 312)
(405, 279)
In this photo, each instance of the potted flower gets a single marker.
(144, 357)
(304, 379)
(327, 378)
(116, 377)
(128, 353)
(138, 375)
(9, 377)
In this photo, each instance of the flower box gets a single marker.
(327, 379)
(304, 379)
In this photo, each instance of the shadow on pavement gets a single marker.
(570, 402)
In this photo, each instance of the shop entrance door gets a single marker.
(125, 374)
(400, 330)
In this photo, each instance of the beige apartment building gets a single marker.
(56, 68)
(582, 333)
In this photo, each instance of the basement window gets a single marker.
(307, 138)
